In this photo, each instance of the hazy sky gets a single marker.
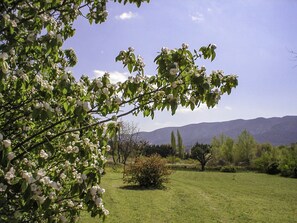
(253, 37)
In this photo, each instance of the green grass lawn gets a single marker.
(203, 197)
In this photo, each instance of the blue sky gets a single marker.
(253, 37)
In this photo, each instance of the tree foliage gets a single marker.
(222, 148)
(202, 153)
(54, 129)
(244, 148)
(173, 141)
(161, 150)
(180, 145)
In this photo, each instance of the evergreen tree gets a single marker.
(180, 146)
(173, 142)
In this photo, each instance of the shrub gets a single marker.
(228, 169)
(273, 168)
(147, 172)
(288, 162)
(173, 159)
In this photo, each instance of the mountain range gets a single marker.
(277, 131)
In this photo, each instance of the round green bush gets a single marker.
(147, 172)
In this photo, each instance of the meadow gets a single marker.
(192, 196)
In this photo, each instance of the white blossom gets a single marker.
(98, 202)
(3, 187)
(52, 195)
(165, 50)
(105, 91)
(59, 38)
(33, 187)
(173, 71)
(170, 97)
(28, 177)
(55, 185)
(10, 155)
(6, 143)
(43, 154)
(40, 199)
(105, 211)
(173, 84)
(86, 106)
(46, 180)
(13, 23)
(70, 203)
(3, 56)
(99, 83)
(63, 176)
(185, 46)
(41, 173)
(10, 174)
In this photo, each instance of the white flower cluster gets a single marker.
(3, 56)
(10, 175)
(3, 187)
(96, 193)
(43, 154)
(72, 149)
(6, 142)
(44, 105)
(174, 71)
(165, 50)
(85, 105)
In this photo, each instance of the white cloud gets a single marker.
(115, 76)
(198, 17)
(181, 110)
(228, 108)
(126, 15)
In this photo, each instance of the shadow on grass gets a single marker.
(137, 187)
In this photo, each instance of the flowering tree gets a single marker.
(54, 129)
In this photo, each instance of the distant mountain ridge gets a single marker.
(277, 131)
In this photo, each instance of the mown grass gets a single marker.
(202, 197)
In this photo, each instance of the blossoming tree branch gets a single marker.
(54, 129)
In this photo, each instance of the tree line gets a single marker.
(223, 152)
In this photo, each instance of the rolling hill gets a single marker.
(277, 131)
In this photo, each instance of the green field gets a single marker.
(203, 197)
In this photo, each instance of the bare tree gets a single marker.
(126, 142)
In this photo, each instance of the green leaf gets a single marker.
(24, 186)
(130, 67)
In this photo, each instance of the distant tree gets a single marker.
(244, 148)
(162, 150)
(202, 153)
(266, 158)
(222, 149)
(126, 142)
(180, 146)
(227, 149)
(288, 161)
(173, 141)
